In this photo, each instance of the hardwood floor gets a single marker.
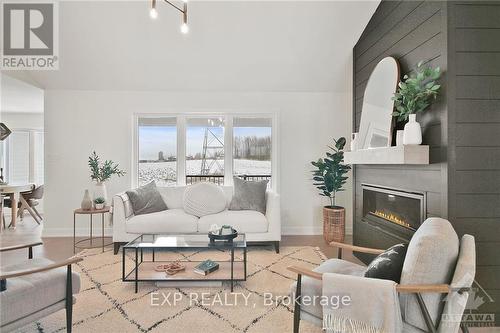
(59, 248)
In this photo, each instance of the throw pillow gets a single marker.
(146, 199)
(203, 199)
(249, 195)
(388, 265)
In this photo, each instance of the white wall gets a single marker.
(78, 122)
(23, 120)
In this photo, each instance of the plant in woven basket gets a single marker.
(330, 174)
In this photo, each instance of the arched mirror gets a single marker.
(375, 129)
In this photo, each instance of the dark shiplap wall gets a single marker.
(410, 31)
(474, 127)
(462, 128)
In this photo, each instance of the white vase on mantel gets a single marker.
(412, 134)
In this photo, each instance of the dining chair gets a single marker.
(436, 263)
(32, 199)
(3, 225)
(35, 288)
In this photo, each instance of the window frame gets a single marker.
(228, 116)
(31, 152)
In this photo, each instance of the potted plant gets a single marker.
(99, 202)
(100, 173)
(415, 94)
(329, 178)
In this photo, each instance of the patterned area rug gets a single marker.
(106, 304)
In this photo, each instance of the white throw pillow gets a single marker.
(203, 199)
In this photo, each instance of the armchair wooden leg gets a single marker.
(277, 246)
(69, 300)
(296, 310)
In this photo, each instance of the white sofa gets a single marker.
(256, 226)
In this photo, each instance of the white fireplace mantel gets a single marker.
(410, 154)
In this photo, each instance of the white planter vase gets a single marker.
(412, 133)
(101, 191)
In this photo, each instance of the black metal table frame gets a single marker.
(139, 253)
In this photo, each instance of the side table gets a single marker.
(91, 213)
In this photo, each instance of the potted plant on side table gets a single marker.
(100, 173)
(329, 178)
(99, 202)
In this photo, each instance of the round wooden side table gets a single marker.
(91, 213)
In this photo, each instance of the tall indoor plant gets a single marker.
(415, 94)
(100, 173)
(329, 178)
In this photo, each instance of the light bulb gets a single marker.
(153, 13)
(184, 28)
(185, 1)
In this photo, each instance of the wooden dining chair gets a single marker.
(31, 199)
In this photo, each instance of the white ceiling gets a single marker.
(231, 46)
(19, 97)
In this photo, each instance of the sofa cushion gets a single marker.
(430, 259)
(28, 294)
(249, 195)
(203, 199)
(146, 199)
(244, 221)
(173, 196)
(171, 220)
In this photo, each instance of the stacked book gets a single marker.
(206, 267)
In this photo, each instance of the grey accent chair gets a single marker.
(34, 288)
(437, 274)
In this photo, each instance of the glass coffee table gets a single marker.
(149, 245)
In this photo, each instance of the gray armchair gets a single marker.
(436, 264)
(34, 288)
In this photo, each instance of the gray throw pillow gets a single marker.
(146, 199)
(249, 195)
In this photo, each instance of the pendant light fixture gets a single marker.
(184, 11)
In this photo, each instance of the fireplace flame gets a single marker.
(392, 218)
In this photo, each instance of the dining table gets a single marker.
(14, 191)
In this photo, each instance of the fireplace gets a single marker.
(388, 216)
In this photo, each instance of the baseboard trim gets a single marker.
(80, 232)
(307, 231)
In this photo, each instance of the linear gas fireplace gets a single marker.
(395, 212)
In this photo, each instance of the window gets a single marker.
(24, 157)
(186, 149)
(252, 148)
(157, 151)
(205, 150)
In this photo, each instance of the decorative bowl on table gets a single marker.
(224, 233)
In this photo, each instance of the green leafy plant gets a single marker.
(99, 200)
(416, 91)
(101, 172)
(330, 174)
